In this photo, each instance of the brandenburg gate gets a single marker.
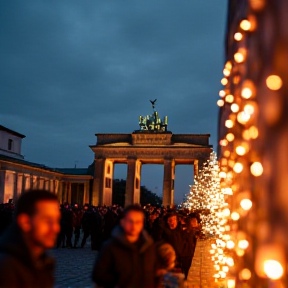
(152, 144)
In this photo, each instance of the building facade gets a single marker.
(18, 175)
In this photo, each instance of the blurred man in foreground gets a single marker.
(23, 262)
(128, 259)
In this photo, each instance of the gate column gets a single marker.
(97, 193)
(168, 182)
(132, 194)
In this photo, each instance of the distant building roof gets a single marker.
(73, 171)
(65, 171)
(11, 131)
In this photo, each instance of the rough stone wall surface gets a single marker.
(202, 270)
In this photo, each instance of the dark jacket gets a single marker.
(126, 265)
(17, 267)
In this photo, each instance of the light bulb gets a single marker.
(246, 93)
(222, 174)
(230, 261)
(240, 150)
(253, 132)
(245, 274)
(238, 167)
(224, 81)
(226, 72)
(274, 82)
(239, 57)
(230, 244)
(243, 244)
(234, 107)
(246, 204)
(245, 25)
(230, 137)
(229, 98)
(220, 103)
(226, 212)
(256, 169)
(238, 36)
(243, 117)
(229, 123)
(240, 252)
(273, 269)
(235, 216)
(249, 109)
(222, 93)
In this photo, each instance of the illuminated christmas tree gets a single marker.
(208, 199)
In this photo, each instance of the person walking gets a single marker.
(23, 259)
(128, 259)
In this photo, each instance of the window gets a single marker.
(108, 183)
(10, 144)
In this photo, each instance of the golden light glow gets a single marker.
(226, 212)
(253, 132)
(246, 134)
(231, 283)
(230, 244)
(234, 107)
(229, 98)
(240, 252)
(226, 72)
(256, 169)
(220, 103)
(274, 82)
(227, 153)
(222, 174)
(230, 137)
(273, 269)
(238, 36)
(245, 274)
(246, 93)
(235, 216)
(224, 81)
(257, 4)
(239, 57)
(245, 25)
(243, 117)
(240, 150)
(228, 65)
(243, 244)
(249, 109)
(223, 142)
(229, 123)
(222, 93)
(238, 167)
(230, 261)
(246, 204)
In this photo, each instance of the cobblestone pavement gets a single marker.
(74, 266)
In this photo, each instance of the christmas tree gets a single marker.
(208, 200)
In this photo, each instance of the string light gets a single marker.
(238, 36)
(273, 269)
(235, 216)
(274, 82)
(229, 98)
(245, 274)
(220, 103)
(241, 150)
(222, 93)
(245, 25)
(246, 93)
(230, 137)
(243, 117)
(246, 204)
(249, 109)
(238, 167)
(224, 81)
(229, 123)
(235, 108)
(256, 169)
(243, 244)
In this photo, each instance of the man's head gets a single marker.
(133, 220)
(172, 220)
(38, 216)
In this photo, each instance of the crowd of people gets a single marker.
(172, 233)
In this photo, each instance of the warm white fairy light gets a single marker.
(208, 199)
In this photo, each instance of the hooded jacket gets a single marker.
(126, 265)
(18, 269)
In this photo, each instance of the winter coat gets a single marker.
(17, 267)
(126, 265)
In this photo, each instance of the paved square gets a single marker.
(74, 266)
